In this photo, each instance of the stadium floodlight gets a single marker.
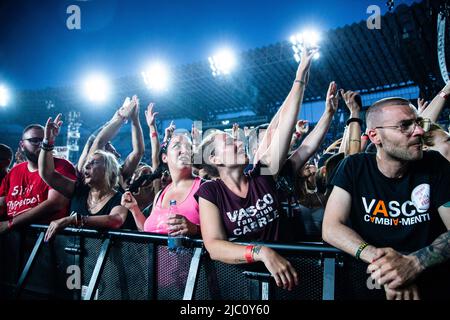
(96, 88)
(307, 39)
(4, 96)
(156, 76)
(222, 63)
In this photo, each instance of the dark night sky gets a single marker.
(119, 37)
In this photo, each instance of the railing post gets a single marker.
(31, 260)
(95, 278)
(329, 273)
(192, 276)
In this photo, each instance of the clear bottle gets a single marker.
(174, 243)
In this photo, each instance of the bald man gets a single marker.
(391, 209)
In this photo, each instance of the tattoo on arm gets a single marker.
(436, 253)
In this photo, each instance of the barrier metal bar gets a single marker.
(192, 276)
(329, 273)
(31, 260)
(144, 237)
(95, 278)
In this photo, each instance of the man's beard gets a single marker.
(403, 153)
(31, 157)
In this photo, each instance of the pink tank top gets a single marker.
(157, 221)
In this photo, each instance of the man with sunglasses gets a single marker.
(24, 197)
(391, 209)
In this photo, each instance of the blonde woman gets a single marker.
(95, 201)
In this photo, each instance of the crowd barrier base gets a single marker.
(83, 264)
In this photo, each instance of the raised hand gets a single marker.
(150, 116)
(421, 105)
(125, 110)
(302, 126)
(128, 201)
(305, 63)
(134, 115)
(168, 132)
(52, 128)
(332, 99)
(352, 101)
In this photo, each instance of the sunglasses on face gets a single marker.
(35, 141)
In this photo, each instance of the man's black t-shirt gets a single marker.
(396, 212)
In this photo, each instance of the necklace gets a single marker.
(94, 203)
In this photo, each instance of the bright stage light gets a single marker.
(97, 88)
(157, 77)
(222, 63)
(4, 96)
(308, 39)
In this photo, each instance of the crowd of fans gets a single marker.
(380, 194)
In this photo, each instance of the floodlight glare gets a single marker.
(97, 88)
(307, 39)
(222, 63)
(4, 96)
(156, 77)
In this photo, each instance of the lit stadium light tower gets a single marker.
(97, 88)
(308, 39)
(157, 77)
(4, 96)
(222, 63)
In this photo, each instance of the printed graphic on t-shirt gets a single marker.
(393, 213)
(24, 199)
(253, 218)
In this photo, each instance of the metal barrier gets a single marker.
(120, 265)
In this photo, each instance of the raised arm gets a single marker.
(112, 127)
(313, 140)
(87, 147)
(154, 140)
(137, 139)
(434, 109)
(275, 155)
(353, 141)
(219, 248)
(46, 163)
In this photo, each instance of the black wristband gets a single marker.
(355, 120)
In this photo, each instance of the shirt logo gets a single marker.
(420, 196)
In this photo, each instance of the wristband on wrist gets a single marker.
(47, 147)
(301, 82)
(249, 254)
(364, 136)
(154, 134)
(443, 95)
(354, 120)
(361, 247)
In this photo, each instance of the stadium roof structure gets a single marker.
(400, 54)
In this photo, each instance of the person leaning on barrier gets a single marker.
(177, 154)
(237, 197)
(396, 200)
(24, 196)
(95, 202)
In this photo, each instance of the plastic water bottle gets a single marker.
(174, 243)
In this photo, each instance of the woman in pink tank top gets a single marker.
(183, 187)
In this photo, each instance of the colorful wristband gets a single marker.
(361, 247)
(249, 254)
